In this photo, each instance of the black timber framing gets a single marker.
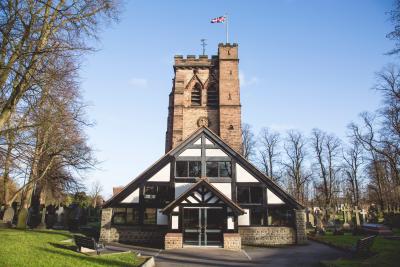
(178, 201)
(170, 157)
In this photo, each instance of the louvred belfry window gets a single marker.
(212, 96)
(196, 95)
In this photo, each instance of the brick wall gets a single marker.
(267, 236)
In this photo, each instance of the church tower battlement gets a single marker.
(206, 92)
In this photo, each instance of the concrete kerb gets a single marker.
(149, 262)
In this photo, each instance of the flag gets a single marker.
(218, 20)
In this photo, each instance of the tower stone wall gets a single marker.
(204, 74)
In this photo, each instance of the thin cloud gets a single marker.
(138, 82)
(246, 81)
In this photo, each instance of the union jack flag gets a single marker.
(218, 20)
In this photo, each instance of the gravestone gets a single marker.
(311, 220)
(346, 225)
(22, 218)
(364, 215)
(42, 224)
(357, 213)
(60, 220)
(8, 216)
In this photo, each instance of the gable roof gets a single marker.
(275, 188)
(203, 183)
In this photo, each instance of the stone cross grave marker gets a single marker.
(364, 215)
(59, 213)
(346, 210)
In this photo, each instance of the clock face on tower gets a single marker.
(202, 121)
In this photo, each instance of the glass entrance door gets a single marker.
(203, 226)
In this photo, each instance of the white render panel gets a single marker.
(244, 220)
(196, 194)
(198, 142)
(191, 152)
(213, 200)
(175, 222)
(215, 152)
(181, 188)
(176, 209)
(231, 224)
(192, 200)
(208, 142)
(162, 175)
(273, 199)
(162, 219)
(132, 198)
(225, 188)
(244, 176)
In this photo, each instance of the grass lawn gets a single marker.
(385, 252)
(44, 248)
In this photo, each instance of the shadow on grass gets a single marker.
(63, 246)
(50, 232)
(103, 260)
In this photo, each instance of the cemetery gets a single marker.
(370, 238)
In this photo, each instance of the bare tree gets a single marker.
(248, 141)
(326, 150)
(95, 192)
(395, 34)
(295, 148)
(35, 36)
(353, 160)
(268, 152)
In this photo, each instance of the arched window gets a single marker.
(196, 95)
(212, 96)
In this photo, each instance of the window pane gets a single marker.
(150, 216)
(164, 194)
(225, 169)
(212, 169)
(150, 191)
(132, 216)
(194, 168)
(280, 216)
(256, 195)
(181, 169)
(243, 194)
(119, 216)
(256, 216)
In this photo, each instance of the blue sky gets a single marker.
(303, 64)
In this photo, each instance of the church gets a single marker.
(203, 192)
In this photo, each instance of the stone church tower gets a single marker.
(206, 92)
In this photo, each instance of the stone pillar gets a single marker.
(300, 219)
(232, 241)
(105, 231)
(173, 240)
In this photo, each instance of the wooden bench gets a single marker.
(87, 242)
(364, 245)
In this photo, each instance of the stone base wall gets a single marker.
(267, 236)
(140, 234)
(301, 235)
(173, 240)
(232, 241)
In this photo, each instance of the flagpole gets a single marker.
(226, 28)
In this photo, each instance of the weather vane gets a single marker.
(203, 44)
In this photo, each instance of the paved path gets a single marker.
(307, 255)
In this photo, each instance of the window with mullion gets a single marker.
(219, 169)
(249, 194)
(185, 169)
